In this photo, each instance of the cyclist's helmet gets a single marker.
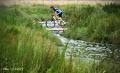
(52, 8)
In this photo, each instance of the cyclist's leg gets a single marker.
(58, 18)
(54, 17)
(61, 21)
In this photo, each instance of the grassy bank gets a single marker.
(24, 44)
(94, 23)
(26, 47)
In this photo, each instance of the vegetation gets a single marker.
(23, 42)
(26, 47)
(94, 23)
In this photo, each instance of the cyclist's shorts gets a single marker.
(60, 15)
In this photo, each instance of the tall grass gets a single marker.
(94, 23)
(26, 47)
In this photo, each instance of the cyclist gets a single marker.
(56, 13)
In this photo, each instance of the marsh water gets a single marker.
(82, 49)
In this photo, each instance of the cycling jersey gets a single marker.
(58, 11)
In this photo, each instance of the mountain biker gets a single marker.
(56, 13)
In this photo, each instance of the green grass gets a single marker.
(26, 45)
(94, 23)
(23, 42)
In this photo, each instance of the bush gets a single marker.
(94, 23)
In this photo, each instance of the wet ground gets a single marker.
(79, 48)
